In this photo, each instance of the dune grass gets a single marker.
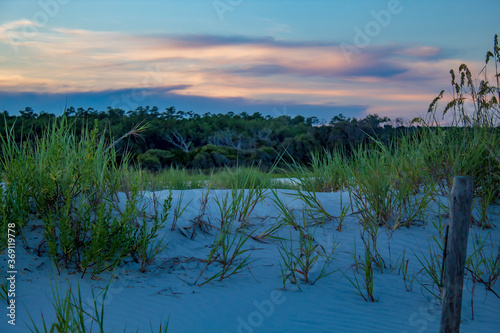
(72, 187)
(75, 316)
(299, 264)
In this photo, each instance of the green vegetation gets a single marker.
(72, 316)
(366, 287)
(70, 313)
(299, 264)
(228, 252)
(178, 140)
(71, 185)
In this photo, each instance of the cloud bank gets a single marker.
(110, 67)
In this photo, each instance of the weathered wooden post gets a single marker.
(460, 213)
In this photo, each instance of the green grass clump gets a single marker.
(299, 264)
(468, 151)
(390, 188)
(327, 172)
(241, 178)
(75, 316)
(71, 185)
(365, 288)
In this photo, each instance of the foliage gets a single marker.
(185, 139)
(72, 186)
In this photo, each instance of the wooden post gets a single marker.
(460, 213)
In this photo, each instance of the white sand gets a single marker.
(254, 300)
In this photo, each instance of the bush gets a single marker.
(210, 156)
(149, 161)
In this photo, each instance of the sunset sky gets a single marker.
(314, 58)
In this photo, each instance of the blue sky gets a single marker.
(315, 58)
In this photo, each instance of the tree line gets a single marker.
(176, 138)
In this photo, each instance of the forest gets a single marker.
(174, 138)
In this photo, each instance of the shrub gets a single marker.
(149, 161)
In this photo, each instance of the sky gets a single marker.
(313, 58)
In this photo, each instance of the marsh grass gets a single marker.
(286, 213)
(388, 185)
(179, 209)
(484, 263)
(431, 272)
(236, 205)
(301, 257)
(248, 186)
(201, 221)
(288, 262)
(63, 181)
(403, 269)
(241, 178)
(313, 206)
(469, 151)
(148, 243)
(145, 217)
(327, 173)
(108, 241)
(433, 263)
(344, 209)
(15, 201)
(228, 207)
(181, 178)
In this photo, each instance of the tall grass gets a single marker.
(327, 172)
(47, 177)
(175, 178)
(180, 178)
(72, 186)
(299, 263)
(229, 253)
(389, 186)
(470, 144)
